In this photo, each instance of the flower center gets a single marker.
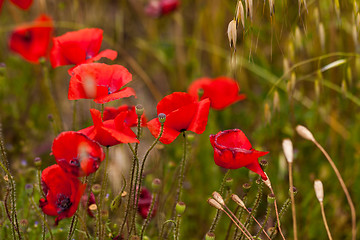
(63, 203)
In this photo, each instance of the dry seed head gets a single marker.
(276, 101)
(240, 15)
(238, 201)
(317, 88)
(250, 6)
(322, 36)
(291, 51)
(357, 19)
(288, 150)
(319, 190)
(215, 204)
(305, 133)
(349, 75)
(298, 38)
(232, 34)
(354, 34)
(337, 8)
(316, 16)
(286, 67)
(267, 113)
(272, 7)
(218, 198)
(343, 87)
(356, 7)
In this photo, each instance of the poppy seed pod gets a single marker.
(180, 208)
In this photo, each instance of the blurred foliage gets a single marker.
(165, 55)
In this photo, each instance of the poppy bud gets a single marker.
(288, 150)
(218, 198)
(237, 200)
(37, 162)
(156, 184)
(96, 188)
(271, 198)
(319, 190)
(29, 188)
(305, 133)
(215, 204)
(210, 236)
(162, 117)
(267, 182)
(180, 208)
(139, 110)
(115, 204)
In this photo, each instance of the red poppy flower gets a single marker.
(24, 4)
(110, 132)
(77, 154)
(62, 191)
(233, 150)
(221, 91)
(145, 203)
(99, 81)
(79, 47)
(183, 113)
(32, 40)
(131, 116)
(157, 8)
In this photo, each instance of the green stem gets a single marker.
(163, 227)
(148, 217)
(268, 212)
(182, 170)
(84, 225)
(218, 212)
(72, 227)
(284, 207)
(42, 217)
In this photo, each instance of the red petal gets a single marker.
(173, 102)
(125, 92)
(24, 4)
(110, 54)
(255, 167)
(168, 135)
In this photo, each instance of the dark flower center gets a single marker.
(75, 162)
(63, 203)
(27, 37)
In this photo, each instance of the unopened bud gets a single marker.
(156, 184)
(180, 208)
(232, 34)
(270, 198)
(29, 188)
(96, 188)
(319, 190)
(305, 133)
(115, 204)
(139, 109)
(162, 117)
(218, 198)
(288, 150)
(238, 201)
(210, 235)
(215, 204)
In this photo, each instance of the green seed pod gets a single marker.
(271, 198)
(229, 182)
(139, 109)
(210, 236)
(96, 188)
(180, 208)
(246, 187)
(156, 184)
(37, 162)
(162, 117)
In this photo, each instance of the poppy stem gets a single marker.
(43, 219)
(148, 217)
(72, 227)
(324, 220)
(240, 223)
(218, 212)
(84, 225)
(293, 209)
(268, 212)
(284, 207)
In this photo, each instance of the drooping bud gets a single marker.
(305, 133)
(319, 190)
(238, 201)
(139, 109)
(232, 34)
(162, 117)
(288, 150)
(267, 181)
(180, 208)
(218, 198)
(215, 204)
